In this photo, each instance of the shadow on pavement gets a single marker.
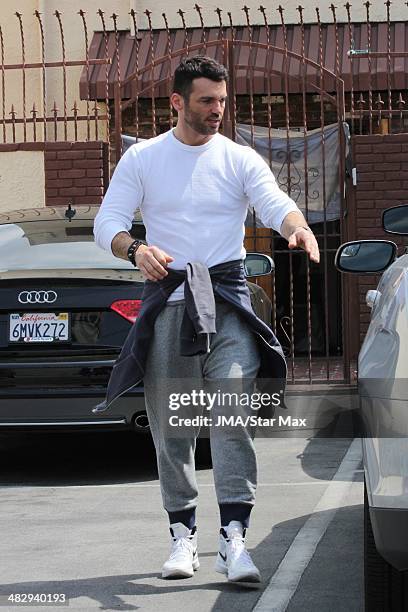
(332, 580)
(58, 459)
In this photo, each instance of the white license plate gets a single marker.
(39, 327)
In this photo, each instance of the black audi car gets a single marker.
(66, 307)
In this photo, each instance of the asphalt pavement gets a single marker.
(81, 515)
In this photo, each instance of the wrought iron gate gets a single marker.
(283, 100)
(306, 299)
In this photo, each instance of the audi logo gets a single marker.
(37, 297)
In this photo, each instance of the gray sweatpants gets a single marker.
(234, 355)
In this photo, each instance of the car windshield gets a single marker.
(53, 244)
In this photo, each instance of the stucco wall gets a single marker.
(13, 55)
(377, 11)
(74, 49)
(75, 42)
(22, 180)
(52, 174)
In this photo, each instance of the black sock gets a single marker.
(235, 512)
(187, 517)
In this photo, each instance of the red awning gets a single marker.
(356, 72)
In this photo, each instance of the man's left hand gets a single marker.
(304, 239)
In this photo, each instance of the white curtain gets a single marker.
(288, 166)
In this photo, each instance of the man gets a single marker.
(193, 187)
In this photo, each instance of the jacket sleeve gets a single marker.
(122, 199)
(271, 204)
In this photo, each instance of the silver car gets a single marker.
(383, 390)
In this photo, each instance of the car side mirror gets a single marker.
(258, 264)
(395, 220)
(365, 256)
(138, 231)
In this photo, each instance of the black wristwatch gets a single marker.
(131, 252)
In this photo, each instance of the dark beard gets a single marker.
(198, 125)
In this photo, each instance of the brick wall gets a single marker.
(75, 172)
(382, 181)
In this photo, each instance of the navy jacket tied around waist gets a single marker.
(228, 282)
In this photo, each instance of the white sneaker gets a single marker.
(233, 559)
(183, 560)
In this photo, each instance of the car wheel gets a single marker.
(203, 453)
(385, 588)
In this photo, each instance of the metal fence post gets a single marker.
(118, 122)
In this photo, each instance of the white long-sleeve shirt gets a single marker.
(193, 199)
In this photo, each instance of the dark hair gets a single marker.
(195, 68)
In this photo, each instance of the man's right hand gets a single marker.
(152, 262)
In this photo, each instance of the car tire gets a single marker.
(203, 453)
(385, 588)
